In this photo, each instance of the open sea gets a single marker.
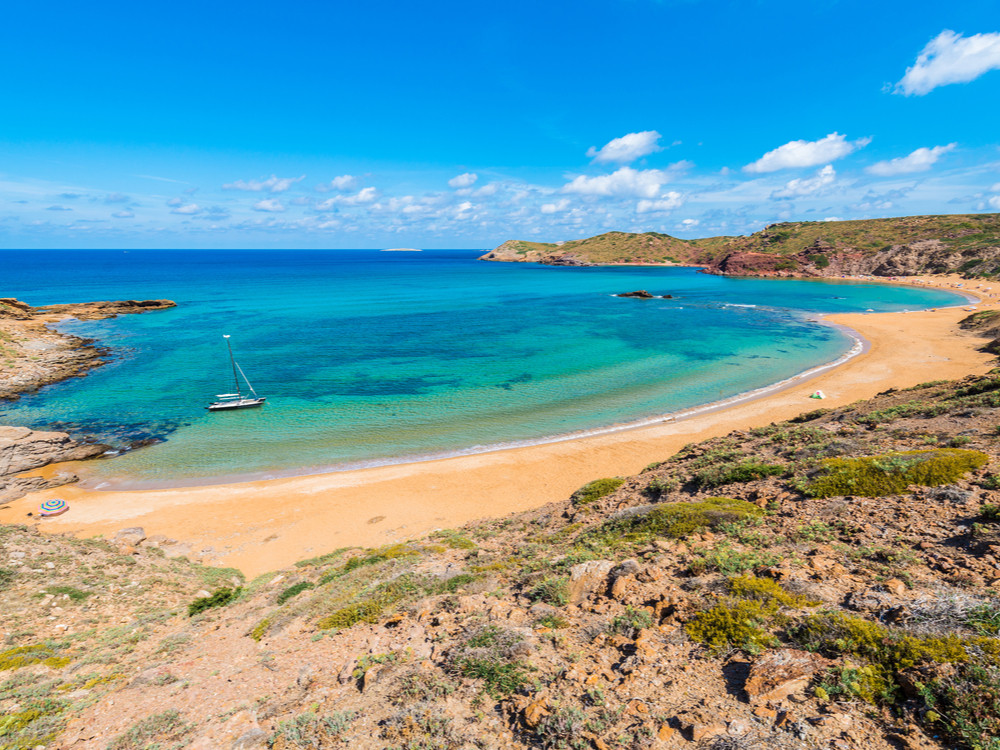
(371, 357)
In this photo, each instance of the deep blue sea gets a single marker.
(368, 357)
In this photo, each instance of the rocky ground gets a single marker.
(33, 355)
(829, 582)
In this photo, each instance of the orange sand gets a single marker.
(264, 525)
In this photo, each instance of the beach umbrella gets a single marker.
(53, 507)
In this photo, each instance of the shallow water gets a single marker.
(369, 357)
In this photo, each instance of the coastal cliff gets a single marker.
(32, 355)
(830, 581)
(967, 244)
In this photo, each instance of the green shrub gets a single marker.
(595, 490)
(220, 598)
(389, 552)
(553, 591)
(630, 621)
(6, 577)
(891, 473)
(492, 654)
(765, 590)
(367, 611)
(294, 590)
(678, 520)
(733, 625)
(25, 656)
(990, 513)
(985, 619)
(731, 562)
(453, 584)
(746, 470)
(74, 594)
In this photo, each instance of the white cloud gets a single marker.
(552, 208)
(58, 208)
(690, 223)
(804, 186)
(365, 195)
(123, 215)
(175, 202)
(626, 149)
(919, 161)
(189, 210)
(269, 205)
(116, 198)
(996, 188)
(832, 218)
(951, 58)
(341, 184)
(806, 153)
(668, 202)
(994, 202)
(463, 180)
(642, 183)
(272, 184)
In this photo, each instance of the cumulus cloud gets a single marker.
(341, 184)
(187, 210)
(123, 215)
(626, 149)
(463, 180)
(668, 202)
(365, 195)
(994, 202)
(918, 161)
(641, 183)
(950, 58)
(552, 208)
(806, 153)
(272, 184)
(801, 187)
(269, 205)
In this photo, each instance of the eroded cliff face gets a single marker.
(23, 450)
(823, 261)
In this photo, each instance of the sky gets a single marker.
(462, 125)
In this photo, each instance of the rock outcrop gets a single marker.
(24, 450)
(37, 356)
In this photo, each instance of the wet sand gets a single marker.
(263, 525)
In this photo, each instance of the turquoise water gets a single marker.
(369, 357)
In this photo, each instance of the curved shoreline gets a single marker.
(859, 346)
(264, 525)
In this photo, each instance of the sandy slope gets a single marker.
(263, 525)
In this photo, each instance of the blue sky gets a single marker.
(445, 124)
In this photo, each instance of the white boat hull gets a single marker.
(243, 403)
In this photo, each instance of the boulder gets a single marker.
(638, 294)
(587, 578)
(132, 536)
(778, 674)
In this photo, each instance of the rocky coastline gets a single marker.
(33, 355)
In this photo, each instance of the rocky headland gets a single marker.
(33, 355)
(906, 246)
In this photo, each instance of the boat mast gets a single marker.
(232, 359)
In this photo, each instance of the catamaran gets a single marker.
(228, 401)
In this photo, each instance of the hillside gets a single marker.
(968, 244)
(832, 581)
(604, 249)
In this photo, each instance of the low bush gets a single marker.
(729, 561)
(554, 591)
(678, 520)
(167, 726)
(733, 624)
(220, 598)
(25, 656)
(294, 590)
(766, 590)
(892, 473)
(593, 491)
(809, 416)
(746, 470)
(494, 655)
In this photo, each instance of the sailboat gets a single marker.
(229, 401)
